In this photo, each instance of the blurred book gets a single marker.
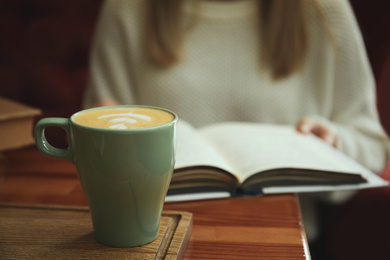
(248, 159)
(16, 124)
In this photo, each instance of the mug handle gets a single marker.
(44, 146)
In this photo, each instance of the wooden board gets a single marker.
(50, 232)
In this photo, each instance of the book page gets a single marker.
(193, 150)
(251, 148)
(373, 180)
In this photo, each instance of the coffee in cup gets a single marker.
(124, 157)
(123, 118)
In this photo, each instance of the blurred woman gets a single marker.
(299, 62)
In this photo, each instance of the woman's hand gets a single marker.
(320, 128)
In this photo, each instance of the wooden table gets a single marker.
(265, 227)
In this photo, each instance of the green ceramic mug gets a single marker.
(125, 172)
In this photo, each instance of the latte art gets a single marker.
(123, 118)
(119, 121)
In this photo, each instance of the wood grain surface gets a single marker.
(263, 227)
(47, 232)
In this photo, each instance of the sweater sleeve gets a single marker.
(109, 75)
(355, 115)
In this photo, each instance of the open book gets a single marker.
(233, 159)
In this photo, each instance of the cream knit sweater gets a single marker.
(219, 78)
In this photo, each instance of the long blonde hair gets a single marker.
(281, 22)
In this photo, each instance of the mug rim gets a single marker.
(151, 128)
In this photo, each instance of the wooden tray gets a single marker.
(50, 232)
